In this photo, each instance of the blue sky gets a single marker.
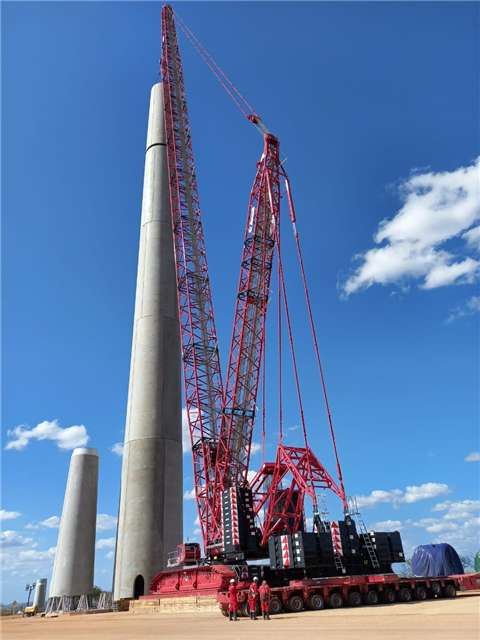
(377, 108)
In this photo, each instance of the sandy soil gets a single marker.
(456, 619)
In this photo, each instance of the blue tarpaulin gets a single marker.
(436, 560)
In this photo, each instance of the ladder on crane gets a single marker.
(321, 518)
(353, 511)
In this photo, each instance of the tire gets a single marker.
(245, 609)
(436, 589)
(295, 604)
(275, 606)
(372, 598)
(354, 599)
(224, 612)
(421, 593)
(449, 591)
(335, 601)
(389, 596)
(315, 602)
(405, 595)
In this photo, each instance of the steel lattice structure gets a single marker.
(221, 422)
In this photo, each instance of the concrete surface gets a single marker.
(75, 556)
(150, 521)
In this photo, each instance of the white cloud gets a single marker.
(255, 448)
(27, 562)
(387, 525)
(186, 444)
(9, 515)
(117, 449)
(468, 307)
(189, 495)
(458, 510)
(425, 491)
(251, 475)
(106, 522)
(109, 555)
(14, 539)
(379, 496)
(196, 522)
(472, 237)
(51, 523)
(105, 543)
(293, 428)
(66, 439)
(411, 494)
(197, 532)
(473, 457)
(437, 207)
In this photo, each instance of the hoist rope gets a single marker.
(210, 61)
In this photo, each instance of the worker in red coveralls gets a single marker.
(253, 598)
(265, 595)
(232, 609)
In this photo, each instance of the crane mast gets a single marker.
(201, 361)
(221, 421)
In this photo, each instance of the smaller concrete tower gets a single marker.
(40, 594)
(75, 556)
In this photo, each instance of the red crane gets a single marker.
(221, 420)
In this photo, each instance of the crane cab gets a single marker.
(185, 554)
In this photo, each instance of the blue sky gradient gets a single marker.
(365, 98)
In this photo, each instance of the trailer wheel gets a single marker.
(436, 589)
(421, 593)
(354, 599)
(389, 596)
(449, 591)
(372, 597)
(315, 602)
(335, 600)
(405, 595)
(224, 612)
(245, 609)
(275, 606)
(295, 604)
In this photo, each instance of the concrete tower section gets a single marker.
(75, 556)
(40, 594)
(150, 518)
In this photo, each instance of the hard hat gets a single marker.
(232, 580)
(255, 578)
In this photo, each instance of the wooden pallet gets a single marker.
(174, 605)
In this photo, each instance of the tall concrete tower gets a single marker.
(150, 517)
(75, 556)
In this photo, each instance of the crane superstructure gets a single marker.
(221, 420)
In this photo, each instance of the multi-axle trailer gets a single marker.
(353, 591)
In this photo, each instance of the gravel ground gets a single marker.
(439, 619)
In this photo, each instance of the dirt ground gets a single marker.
(456, 619)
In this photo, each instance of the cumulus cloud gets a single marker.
(196, 522)
(51, 523)
(189, 495)
(197, 532)
(417, 243)
(251, 475)
(458, 510)
(255, 448)
(387, 525)
(106, 522)
(410, 495)
(66, 439)
(109, 555)
(117, 449)
(17, 560)
(468, 307)
(14, 539)
(105, 543)
(9, 515)
(473, 457)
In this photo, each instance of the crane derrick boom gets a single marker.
(249, 321)
(201, 363)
